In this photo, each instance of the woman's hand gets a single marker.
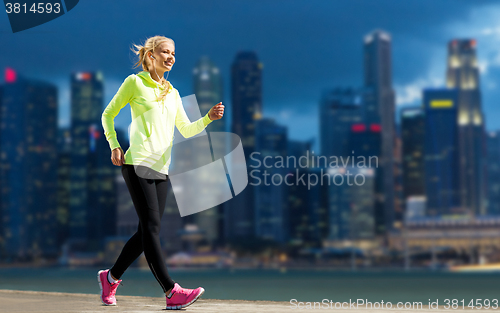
(216, 111)
(117, 156)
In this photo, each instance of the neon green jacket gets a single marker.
(152, 127)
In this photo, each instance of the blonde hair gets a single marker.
(142, 50)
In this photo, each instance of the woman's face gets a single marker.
(165, 56)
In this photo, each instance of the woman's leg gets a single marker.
(133, 248)
(148, 196)
(161, 191)
(130, 252)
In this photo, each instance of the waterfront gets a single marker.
(273, 285)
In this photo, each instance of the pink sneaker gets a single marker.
(183, 297)
(108, 290)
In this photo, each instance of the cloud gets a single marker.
(483, 66)
(491, 31)
(482, 24)
(412, 93)
(285, 114)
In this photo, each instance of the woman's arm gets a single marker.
(121, 98)
(184, 125)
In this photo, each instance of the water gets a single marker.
(303, 285)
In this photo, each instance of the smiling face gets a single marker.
(165, 56)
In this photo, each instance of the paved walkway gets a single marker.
(49, 302)
(33, 301)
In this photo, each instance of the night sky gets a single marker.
(306, 47)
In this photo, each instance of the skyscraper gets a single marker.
(246, 95)
(101, 189)
(339, 109)
(2, 232)
(63, 183)
(493, 161)
(271, 214)
(378, 104)
(92, 174)
(441, 152)
(463, 74)
(413, 136)
(364, 141)
(207, 82)
(28, 167)
(307, 207)
(86, 107)
(351, 203)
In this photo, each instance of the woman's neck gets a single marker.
(154, 77)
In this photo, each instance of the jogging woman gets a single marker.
(156, 107)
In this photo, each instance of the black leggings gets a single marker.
(149, 197)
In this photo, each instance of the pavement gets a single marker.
(36, 301)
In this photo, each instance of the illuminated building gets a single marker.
(207, 82)
(463, 74)
(441, 152)
(28, 167)
(246, 107)
(92, 174)
(379, 109)
(413, 140)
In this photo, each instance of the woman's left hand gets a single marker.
(216, 111)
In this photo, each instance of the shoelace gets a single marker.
(113, 289)
(185, 291)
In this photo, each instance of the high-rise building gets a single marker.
(441, 152)
(339, 109)
(63, 183)
(271, 214)
(246, 95)
(28, 167)
(86, 108)
(493, 178)
(398, 182)
(307, 206)
(207, 82)
(413, 139)
(2, 234)
(364, 141)
(351, 203)
(379, 109)
(463, 74)
(92, 175)
(364, 149)
(101, 188)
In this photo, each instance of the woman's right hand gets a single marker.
(117, 156)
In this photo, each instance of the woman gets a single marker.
(156, 107)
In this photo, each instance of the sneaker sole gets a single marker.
(178, 307)
(100, 286)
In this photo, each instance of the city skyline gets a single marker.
(287, 89)
(87, 88)
(360, 116)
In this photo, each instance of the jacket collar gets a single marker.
(145, 75)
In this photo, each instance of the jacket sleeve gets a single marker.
(121, 98)
(184, 125)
